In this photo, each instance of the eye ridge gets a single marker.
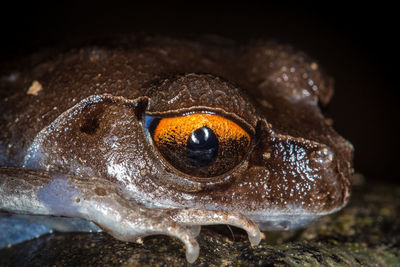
(202, 147)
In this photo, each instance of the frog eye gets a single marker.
(201, 145)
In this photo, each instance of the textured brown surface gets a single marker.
(88, 120)
(270, 88)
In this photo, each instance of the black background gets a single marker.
(355, 44)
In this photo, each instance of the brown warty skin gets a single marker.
(76, 140)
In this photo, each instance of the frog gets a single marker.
(148, 134)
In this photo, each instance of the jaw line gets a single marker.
(285, 220)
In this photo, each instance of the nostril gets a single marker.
(90, 126)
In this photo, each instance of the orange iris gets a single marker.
(178, 129)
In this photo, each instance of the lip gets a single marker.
(285, 220)
(278, 220)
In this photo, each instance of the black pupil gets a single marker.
(202, 147)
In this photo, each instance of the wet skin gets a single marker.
(156, 135)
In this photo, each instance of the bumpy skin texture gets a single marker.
(79, 146)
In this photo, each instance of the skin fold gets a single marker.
(76, 141)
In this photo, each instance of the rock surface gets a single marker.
(365, 233)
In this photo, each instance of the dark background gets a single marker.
(354, 44)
